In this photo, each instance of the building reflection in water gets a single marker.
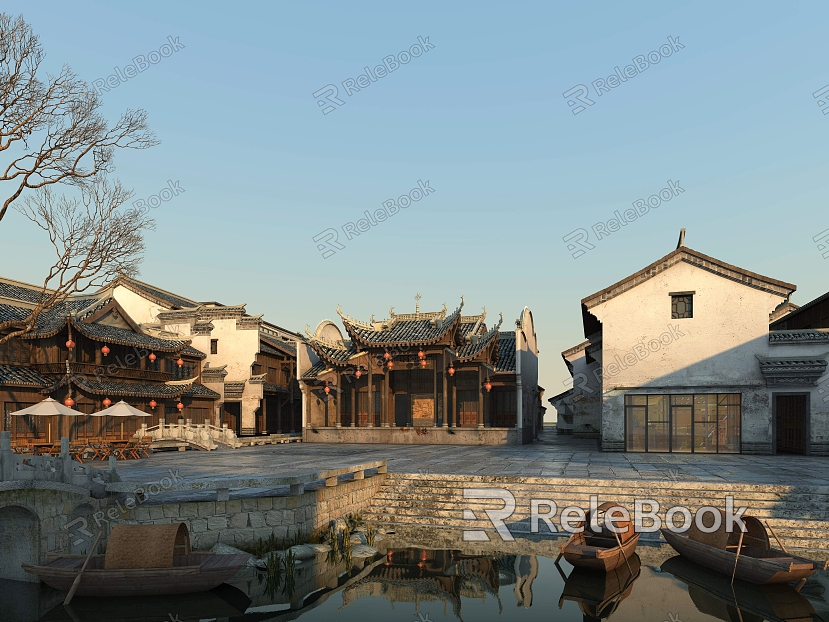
(415, 575)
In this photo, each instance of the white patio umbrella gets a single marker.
(121, 409)
(49, 408)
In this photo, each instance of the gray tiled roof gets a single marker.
(506, 351)
(191, 351)
(333, 354)
(24, 294)
(286, 346)
(13, 375)
(200, 390)
(121, 389)
(122, 336)
(316, 369)
(476, 346)
(173, 300)
(269, 387)
(404, 331)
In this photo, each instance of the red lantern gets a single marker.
(105, 350)
(391, 364)
(180, 406)
(327, 389)
(423, 362)
(107, 402)
(451, 371)
(152, 357)
(153, 404)
(358, 373)
(387, 356)
(488, 386)
(421, 354)
(69, 402)
(180, 362)
(70, 344)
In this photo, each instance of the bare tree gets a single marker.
(51, 132)
(92, 239)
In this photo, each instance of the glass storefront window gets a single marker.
(702, 423)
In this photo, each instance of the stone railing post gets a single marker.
(66, 460)
(6, 456)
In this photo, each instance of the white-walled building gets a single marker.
(249, 362)
(679, 357)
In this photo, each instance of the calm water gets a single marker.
(409, 583)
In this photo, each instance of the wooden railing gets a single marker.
(113, 369)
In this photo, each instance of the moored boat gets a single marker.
(141, 560)
(757, 563)
(599, 594)
(602, 549)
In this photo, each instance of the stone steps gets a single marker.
(798, 514)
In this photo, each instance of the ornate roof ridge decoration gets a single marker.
(257, 379)
(792, 370)
(432, 329)
(477, 343)
(354, 322)
(214, 374)
(699, 260)
(249, 322)
(338, 345)
(803, 335)
(180, 314)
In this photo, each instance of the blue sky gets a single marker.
(730, 117)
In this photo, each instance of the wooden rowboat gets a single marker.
(601, 550)
(141, 560)
(758, 563)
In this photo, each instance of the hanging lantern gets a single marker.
(421, 354)
(105, 350)
(153, 404)
(69, 402)
(488, 386)
(180, 361)
(327, 389)
(387, 356)
(107, 402)
(451, 370)
(423, 362)
(70, 344)
(358, 373)
(180, 406)
(152, 357)
(391, 364)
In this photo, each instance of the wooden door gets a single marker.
(791, 424)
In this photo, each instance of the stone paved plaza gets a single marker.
(552, 456)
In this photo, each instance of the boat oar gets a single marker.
(77, 580)
(776, 538)
(737, 558)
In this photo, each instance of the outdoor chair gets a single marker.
(143, 446)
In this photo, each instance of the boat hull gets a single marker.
(212, 571)
(758, 571)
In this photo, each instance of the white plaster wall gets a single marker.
(527, 350)
(586, 401)
(236, 348)
(141, 310)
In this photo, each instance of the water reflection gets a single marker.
(459, 582)
(714, 595)
(599, 594)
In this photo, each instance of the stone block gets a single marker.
(198, 525)
(171, 510)
(156, 511)
(233, 507)
(207, 508)
(239, 521)
(188, 510)
(273, 518)
(256, 519)
(263, 504)
(216, 523)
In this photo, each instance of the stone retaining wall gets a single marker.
(415, 436)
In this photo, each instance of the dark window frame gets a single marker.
(214, 346)
(687, 300)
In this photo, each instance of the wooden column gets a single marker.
(435, 392)
(339, 422)
(385, 399)
(445, 389)
(454, 423)
(354, 414)
(370, 396)
(264, 414)
(480, 398)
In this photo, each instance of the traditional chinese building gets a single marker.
(423, 377)
(89, 353)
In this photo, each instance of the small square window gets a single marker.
(214, 346)
(682, 306)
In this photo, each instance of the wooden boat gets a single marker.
(758, 563)
(141, 560)
(713, 595)
(603, 550)
(598, 594)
